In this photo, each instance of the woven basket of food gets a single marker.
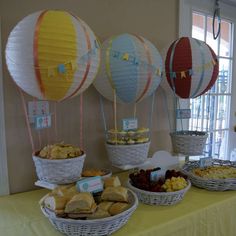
(59, 163)
(190, 143)
(219, 176)
(82, 213)
(128, 147)
(168, 190)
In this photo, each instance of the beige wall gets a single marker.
(154, 19)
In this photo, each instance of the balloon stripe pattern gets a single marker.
(131, 66)
(88, 62)
(191, 67)
(149, 71)
(52, 55)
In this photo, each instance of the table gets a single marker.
(201, 213)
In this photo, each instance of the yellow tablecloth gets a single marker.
(201, 213)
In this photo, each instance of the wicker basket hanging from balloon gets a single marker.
(189, 143)
(128, 154)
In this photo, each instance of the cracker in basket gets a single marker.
(60, 151)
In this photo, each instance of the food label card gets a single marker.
(91, 184)
(205, 161)
(156, 175)
(183, 113)
(130, 124)
(42, 122)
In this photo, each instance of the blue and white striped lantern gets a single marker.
(131, 67)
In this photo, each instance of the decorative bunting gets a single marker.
(61, 69)
(183, 75)
(51, 72)
(126, 57)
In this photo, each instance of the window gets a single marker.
(211, 111)
(215, 111)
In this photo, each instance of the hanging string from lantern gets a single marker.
(181, 120)
(103, 115)
(198, 111)
(81, 121)
(115, 113)
(208, 110)
(151, 114)
(27, 119)
(55, 121)
(38, 131)
(135, 110)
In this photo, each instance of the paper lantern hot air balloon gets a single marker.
(52, 55)
(191, 67)
(131, 66)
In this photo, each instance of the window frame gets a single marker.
(4, 181)
(186, 7)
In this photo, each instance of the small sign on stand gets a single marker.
(130, 124)
(42, 122)
(39, 116)
(183, 113)
(205, 162)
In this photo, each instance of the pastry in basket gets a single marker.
(216, 172)
(118, 207)
(67, 191)
(56, 204)
(105, 205)
(93, 172)
(115, 194)
(81, 203)
(60, 151)
(98, 214)
(113, 181)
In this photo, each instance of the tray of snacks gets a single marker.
(219, 176)
(128, 147)
(59, 163)
(152, 189)
(104, 173)
(84, 213)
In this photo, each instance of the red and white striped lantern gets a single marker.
(191, 67)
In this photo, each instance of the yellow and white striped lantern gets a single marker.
(52, 55)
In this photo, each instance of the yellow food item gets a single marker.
(174, 184)
(60, 151)
(93, 172)
(216, 172)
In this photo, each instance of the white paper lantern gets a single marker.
(52, 55)
(131, 66)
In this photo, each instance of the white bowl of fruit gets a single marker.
(166, 190)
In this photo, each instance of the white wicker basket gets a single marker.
(97, 227)
(210, 184)
(159, 198)
(128, 154)
(59, 171)
(190, 143)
